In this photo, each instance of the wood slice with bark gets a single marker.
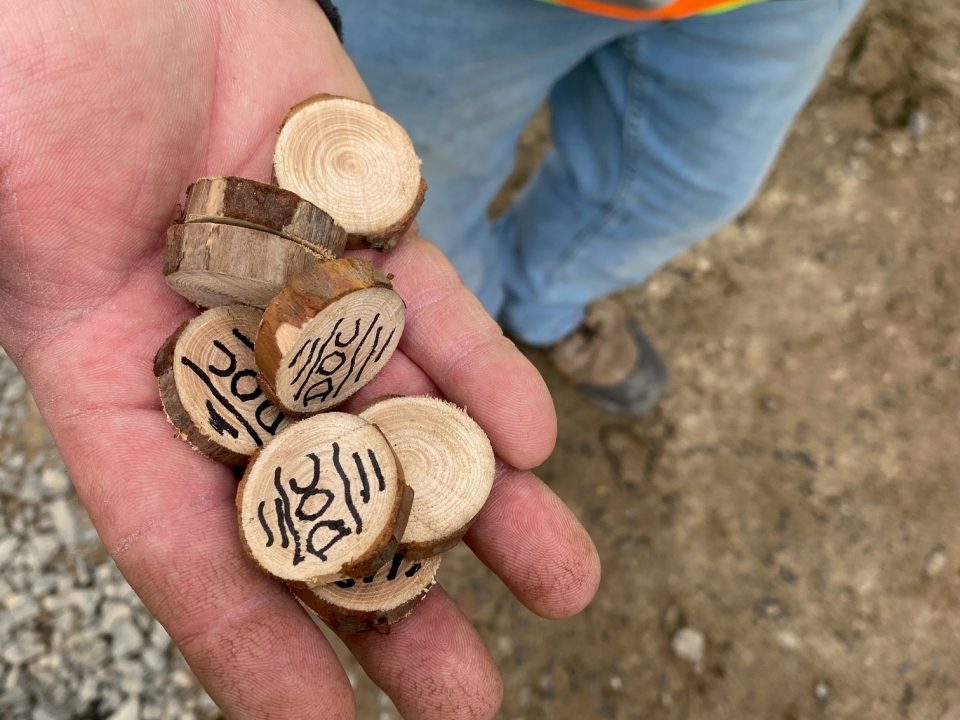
(377, 601)
(447, 460)
(247, 203)
(212, 264)
(209, 388)
(325, 500)
(354, 161)
(326, 334)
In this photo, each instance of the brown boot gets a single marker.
(611, 361)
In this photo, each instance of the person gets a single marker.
(663, 131)
(110, 110)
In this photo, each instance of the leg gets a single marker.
(661, 138)
(463, 78)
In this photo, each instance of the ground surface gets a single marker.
(781, 539)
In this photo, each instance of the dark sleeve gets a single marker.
(333, 15)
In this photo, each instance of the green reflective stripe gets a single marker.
(726, 7)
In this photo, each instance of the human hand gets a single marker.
(110, 109)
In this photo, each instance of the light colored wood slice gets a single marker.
(446, 459)
(247, 203)
(213, 264)
(377, 601)
(325, 500)
(355, 162)
(327, 334)
(209, 388)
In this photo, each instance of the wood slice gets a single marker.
(377, 601)
(209, 388)
(355, 162)
(213, 264)
(327, 334)
(247, 203)
(325, 500)
(447, 460)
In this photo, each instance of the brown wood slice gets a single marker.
(247, 203)
(325, 500)
(209, 388)
(377, 601)
(213, 264)
(327, 334)
(354, 161)
(447, 460)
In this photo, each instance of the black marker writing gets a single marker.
(391, 575)
(318, 361)
(225, 416)
(303, 513)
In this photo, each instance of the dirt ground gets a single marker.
(795, 501)
(781, 538)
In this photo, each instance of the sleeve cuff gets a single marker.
(333, 15)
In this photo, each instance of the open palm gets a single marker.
(110, 108)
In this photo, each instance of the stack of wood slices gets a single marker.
(352, 511)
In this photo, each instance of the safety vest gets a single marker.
(652, 9)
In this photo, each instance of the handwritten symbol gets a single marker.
(296, 506)
(314, 379)
(243, 387)
(392, 574)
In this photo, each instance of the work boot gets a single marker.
(611, 361)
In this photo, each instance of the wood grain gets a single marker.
(327, 334)
(447, 460)
(325, 500)
(354, 161)
(209, 389)
(212, 264)
(377, 601)
(247, 203)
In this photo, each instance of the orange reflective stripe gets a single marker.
(673, 11)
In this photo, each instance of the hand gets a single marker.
(110, 109)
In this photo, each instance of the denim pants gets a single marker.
(662, 133)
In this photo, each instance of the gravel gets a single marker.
(821, 690)
(7, 547)
(75, 641)
(936, 562)
(689, 645)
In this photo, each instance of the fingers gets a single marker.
(453, 339)
(167, 515)
(433, 665)
(400, 376)
(168, 518)
(525, 533)
(532, 541)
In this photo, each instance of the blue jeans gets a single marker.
(662, 132)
